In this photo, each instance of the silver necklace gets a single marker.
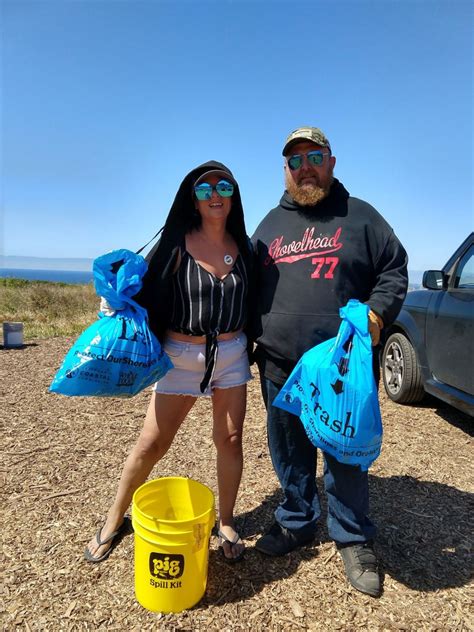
(228, 260)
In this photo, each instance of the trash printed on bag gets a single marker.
(118, 355)
(332, 389)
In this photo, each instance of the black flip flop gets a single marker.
(114, 538)
(223, 538)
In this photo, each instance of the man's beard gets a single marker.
(307, 194)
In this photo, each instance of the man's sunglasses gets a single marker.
(203, 191)
(315, 158)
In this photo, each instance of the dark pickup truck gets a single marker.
(430, 347)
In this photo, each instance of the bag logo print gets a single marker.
(127, 378)
(333, 391)
(338, 387)
(343, 368)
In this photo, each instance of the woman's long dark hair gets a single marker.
(182, 218)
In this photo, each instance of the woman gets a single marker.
(196, 292)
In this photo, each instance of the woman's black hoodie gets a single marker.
(155, 294)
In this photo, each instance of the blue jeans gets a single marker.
(294, 461)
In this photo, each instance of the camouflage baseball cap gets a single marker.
(313, 134)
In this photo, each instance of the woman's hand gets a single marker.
(106, 308)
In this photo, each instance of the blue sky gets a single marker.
(106, 105)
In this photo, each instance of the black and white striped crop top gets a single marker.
(203, 304)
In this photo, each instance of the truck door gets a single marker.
(450, 327)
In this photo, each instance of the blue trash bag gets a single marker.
(117, 356)
(332, 390)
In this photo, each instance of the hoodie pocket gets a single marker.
(289, 336)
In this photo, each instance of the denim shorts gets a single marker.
(231, 369)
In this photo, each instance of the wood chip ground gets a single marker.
(62, 459)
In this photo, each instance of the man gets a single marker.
(316, 250)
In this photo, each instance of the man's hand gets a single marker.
(375, 327)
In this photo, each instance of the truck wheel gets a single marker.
(401, 372)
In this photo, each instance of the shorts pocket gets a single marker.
(241, 341)
(174, 349)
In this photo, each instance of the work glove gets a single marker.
(375, 327)
(106, 308)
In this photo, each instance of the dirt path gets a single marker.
(62, 460)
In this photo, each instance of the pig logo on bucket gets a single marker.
(166, 566)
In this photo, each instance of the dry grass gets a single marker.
(62, 460)
(48, 309)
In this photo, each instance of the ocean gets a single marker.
(63, 276)
(82, 276)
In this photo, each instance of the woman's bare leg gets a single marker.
(164, 416)
(229, 406)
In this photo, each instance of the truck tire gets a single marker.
(401, 371)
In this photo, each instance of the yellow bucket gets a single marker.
(172, 519)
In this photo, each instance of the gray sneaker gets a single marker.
(361, 567)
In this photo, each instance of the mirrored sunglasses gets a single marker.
(203, 190)
(315, 158)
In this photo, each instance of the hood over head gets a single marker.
(181, 216)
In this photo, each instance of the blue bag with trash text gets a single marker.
(332, 390)
(118, 355)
